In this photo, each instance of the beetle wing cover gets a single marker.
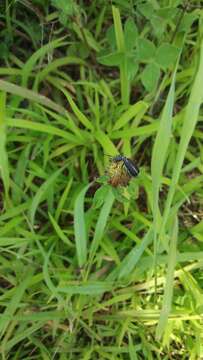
(131, 168)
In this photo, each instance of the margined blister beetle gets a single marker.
(121, 170)
(131, 168)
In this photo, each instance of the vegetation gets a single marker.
(89, 271)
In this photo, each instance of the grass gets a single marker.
(89, 271)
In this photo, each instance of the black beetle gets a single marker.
(131, 168)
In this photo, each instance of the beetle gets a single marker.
(131, 168)
(121, 170)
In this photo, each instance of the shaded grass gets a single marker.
(4, 168)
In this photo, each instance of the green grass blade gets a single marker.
(132, 111)
(39, 54)
(168, 291)
(14, 211)
(130, 260)
(4, 165)
(60, 232)
(20, 175)
(42, 192)
(92, 289)
(46, 255)
(80, 227)
(189, 122)
(63, 199)
(159, 154)
(101, 223)
(146, 130)
(19, 337)
(160, 148)
(54, 65)
(108, 146)
(30, 95)
(15, 301)
(35, 126)
(118, 29)
(132, 349)
(125, 86)
(36, 316)
(80, 116)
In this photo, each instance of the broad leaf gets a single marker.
(150, 76)
(146, 49)
(131, 34)
(166, 55)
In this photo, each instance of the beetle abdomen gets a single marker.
(131, 168)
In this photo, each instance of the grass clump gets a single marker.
(89, 271)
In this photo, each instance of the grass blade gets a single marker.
(30, 95)
(189, 122)
(80, 227)
(41, 192)
(20, 175)
(63, 199)
(55, 64)
(132, 111)
(19, 337)
(125, 88)
(108, 146)
(49, 129)
(80, 116)
(161, 143)
(132, 349)
(146, 130)
(168, 291)
(92, 289)
(4, 166)
(15, 301)
(101, 223)
(60, 232)
(39, 54)
(130, 260)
